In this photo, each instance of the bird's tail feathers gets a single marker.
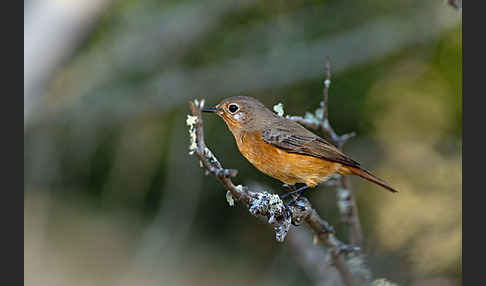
(366, 175)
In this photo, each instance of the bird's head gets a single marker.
(241, 113)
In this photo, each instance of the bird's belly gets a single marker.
(289, 168)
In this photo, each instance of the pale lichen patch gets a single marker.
(344, 203)
(230, 199)
(191, 122)
(327, 83)
(319, 113)
(272, 207)
(278, 108)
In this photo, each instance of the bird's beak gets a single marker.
(210, 109)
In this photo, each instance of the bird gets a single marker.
(282, 148)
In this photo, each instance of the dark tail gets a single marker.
(366, 175)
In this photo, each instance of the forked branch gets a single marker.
(319, 121)
(269, 205)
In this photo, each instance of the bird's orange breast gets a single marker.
(289, 168)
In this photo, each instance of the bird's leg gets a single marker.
(295, 190)
(289, 188)
(298, 193)
(295, 193)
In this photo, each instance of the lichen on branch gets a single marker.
(262, 204)
(268, 205)
(352, 268)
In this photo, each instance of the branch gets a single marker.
(345, 199)
(269, 205)
(319, 121)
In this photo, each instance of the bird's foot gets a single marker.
(295, 193)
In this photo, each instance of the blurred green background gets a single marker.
(112, 196)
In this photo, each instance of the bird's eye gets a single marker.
(233, 108)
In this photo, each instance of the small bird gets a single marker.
(282, 148)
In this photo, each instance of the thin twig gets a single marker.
(325, 90)
(270, 205)
(319, 121)
(348, 207)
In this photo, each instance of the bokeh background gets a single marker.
(112, 196)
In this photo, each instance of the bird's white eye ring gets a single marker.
(233, 108)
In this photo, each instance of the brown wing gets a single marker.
(294, 138)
